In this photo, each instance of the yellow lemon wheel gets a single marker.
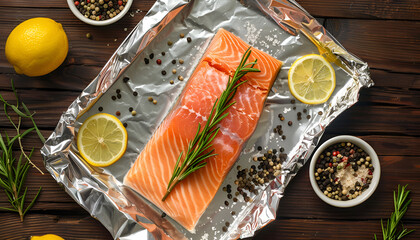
(311, 79)
(102, 140)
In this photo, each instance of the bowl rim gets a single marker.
(81, 17)
(365, 194)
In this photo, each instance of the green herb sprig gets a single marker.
(13, 171)
(199, 148)
(401, 203)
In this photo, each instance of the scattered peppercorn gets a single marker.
(163, 215)
(171, 82)
(170, 43)
(133, 113)
(293, 101)
(135, 93)
(100, 109)
(180, 78)
(226, 203)
(146, 60)
(130, 109)
(283, 137)
(308, 116)
(259, 148)
(181, 61)
(320, 113)
(189, 39)
(154, 101)
(224, 229)
(150, 99)
(174, 71)
(125, 125)
(174, 61)
(88, 36)
(159, 61)
(126, 79)
(114, 98)
(163, 72)
(119, 96)
(163, 53)
(152, 55)
(290, 123)
(233, 213)
(118, 91)
(181, 35)
(118, 113)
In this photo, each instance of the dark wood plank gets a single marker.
(382, 9)
(70, 227)
(389, 45)
(143, 5)
(94, 52)
(328, 229)
(394, 170)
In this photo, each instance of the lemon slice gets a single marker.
(102, 140)
(311, 79)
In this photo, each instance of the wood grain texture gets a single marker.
(385, 33)
(388, 45)
(364, 9)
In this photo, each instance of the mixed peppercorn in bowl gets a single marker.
(344, 171)
(99, 12)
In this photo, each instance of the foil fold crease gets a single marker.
(125, 214)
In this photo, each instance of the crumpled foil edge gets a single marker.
(290, 16)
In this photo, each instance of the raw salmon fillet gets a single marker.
(153, 168)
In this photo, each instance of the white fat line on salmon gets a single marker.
(196, 113)
(233, 136)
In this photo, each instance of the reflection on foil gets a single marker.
(281, 28)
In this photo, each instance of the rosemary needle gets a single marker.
(401, 203)
(199, 148)
(13, 171)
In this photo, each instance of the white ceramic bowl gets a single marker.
(80, 16)
(367, 192)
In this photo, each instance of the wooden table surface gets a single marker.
(385, 33)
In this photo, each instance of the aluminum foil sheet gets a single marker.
(281, 28)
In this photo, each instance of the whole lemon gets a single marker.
(47, 237)
(37, 46)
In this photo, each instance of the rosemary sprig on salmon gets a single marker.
(199, 149)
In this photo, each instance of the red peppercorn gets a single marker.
(330, 164)
(88, 1)
(76, 3)
(120, 3)
(159, 61)
(345, 158)
(370, 172)
(335, 153)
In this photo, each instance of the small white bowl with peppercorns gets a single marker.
(99, 12)
(344, 171)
